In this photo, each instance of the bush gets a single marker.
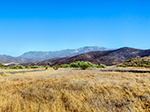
(46, 67)
(102, 66)
(84, 66)
(35, 66)
(27, 67)
(75, 64)
(17, 67)
(132, 59)
(64, 66)
(95, 66)
(55, 67)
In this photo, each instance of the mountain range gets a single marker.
(37, 56)
(96, 55)
(109, 57)
(40, 55)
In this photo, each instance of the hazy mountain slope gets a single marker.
(63, 53)
(110, 57)
(9, 59)
(34, 56)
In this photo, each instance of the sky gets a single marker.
(53, 25)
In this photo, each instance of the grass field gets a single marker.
(74, 90)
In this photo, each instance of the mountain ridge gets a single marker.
(109, 57)
(41, 55)
(37, 56)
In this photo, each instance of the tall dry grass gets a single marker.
(68, 90)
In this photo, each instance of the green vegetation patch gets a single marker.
(136, 62)
(55, 67)
(17, 67)
(82, 65)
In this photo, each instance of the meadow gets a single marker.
(74, 90)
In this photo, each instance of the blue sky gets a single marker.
(49, 25)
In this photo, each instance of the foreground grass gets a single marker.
(69, 90)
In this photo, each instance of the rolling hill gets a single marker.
(136, 62)
(37, 56)
(110, 57)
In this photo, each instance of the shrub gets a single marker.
(75, 64)
(46, 67)
(27, 67)
(102, 66)
(17, 67)
(64, 66)
(84, 66)
(55, 67)
(35, 66)
(95, 66)
(132, 59)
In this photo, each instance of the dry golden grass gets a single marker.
(70, 90)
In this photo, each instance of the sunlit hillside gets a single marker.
(136, 62)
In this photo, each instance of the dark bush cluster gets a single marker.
(35, 66)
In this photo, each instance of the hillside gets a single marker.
(136, 62)
(110, 57)
(32, 57)
(10, 59)
(39, 55)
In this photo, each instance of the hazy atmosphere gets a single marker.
(50, 25)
